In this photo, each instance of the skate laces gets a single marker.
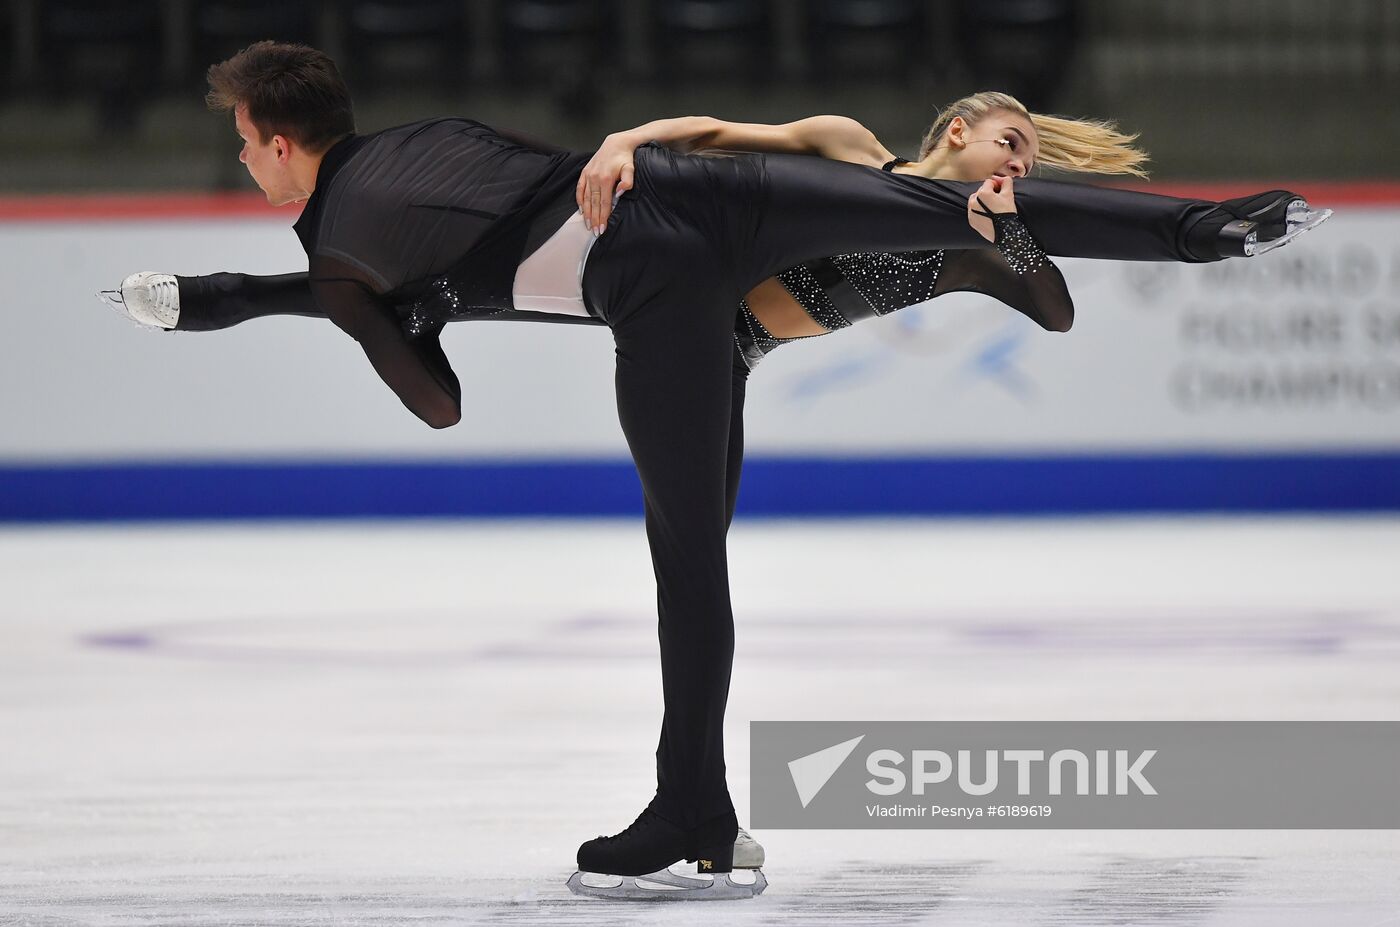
(152, 301)
(646, 820)
(165, 295)
(157, 297)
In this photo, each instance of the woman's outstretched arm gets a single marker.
(609, 172)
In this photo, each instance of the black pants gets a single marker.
(692, 237)
(682, 247)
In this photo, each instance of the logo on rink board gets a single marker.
(1211, 774)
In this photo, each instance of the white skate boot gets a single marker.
(149, 299)
(748, 852)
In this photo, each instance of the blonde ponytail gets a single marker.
(1090, 146)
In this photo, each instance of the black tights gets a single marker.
(681, 250)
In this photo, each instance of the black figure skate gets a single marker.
(635, 864)
(1252, 225)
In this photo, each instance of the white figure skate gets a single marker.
(150, 299)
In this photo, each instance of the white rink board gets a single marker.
(1299, 349)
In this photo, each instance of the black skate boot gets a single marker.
(1250, 225)
(634, 864)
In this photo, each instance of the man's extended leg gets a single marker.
(213, 302)
(765, 213)
(814, 208)
(209, 303)
(217, 301)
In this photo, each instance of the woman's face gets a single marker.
(1001, 143)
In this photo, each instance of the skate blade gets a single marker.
(1300, 220)
(666, 885)
(112, 299)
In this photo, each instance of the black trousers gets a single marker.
(682, 247)
(692, 237)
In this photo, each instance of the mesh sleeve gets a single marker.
(1040, 294)
(417, 371)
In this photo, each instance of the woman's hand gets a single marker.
(607, 174)
(995, 195)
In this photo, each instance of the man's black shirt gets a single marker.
(395, 211)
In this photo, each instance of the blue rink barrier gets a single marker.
(772, 487)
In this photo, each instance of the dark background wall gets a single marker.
(100, 95)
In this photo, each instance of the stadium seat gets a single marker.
(411, 43)
(710, 40)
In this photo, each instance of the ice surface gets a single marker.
(417, 723)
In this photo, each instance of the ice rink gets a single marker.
(418, 722)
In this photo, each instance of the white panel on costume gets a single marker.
(551, 279)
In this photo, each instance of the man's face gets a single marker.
(268, 163)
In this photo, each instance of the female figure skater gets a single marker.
(986, 136)
(407, 228)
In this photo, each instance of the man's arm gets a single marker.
(417, 373)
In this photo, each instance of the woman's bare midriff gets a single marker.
(782, 315)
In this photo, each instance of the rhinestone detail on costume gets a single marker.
(810, 295)
(890, 282)
(1016, 243)
(440, 305)
(753, 339)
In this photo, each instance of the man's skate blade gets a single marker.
(666, 886)
(1298, 223)
(114, 300)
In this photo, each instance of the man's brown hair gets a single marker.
(290, 90)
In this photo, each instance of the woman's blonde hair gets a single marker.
(1090, 146)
